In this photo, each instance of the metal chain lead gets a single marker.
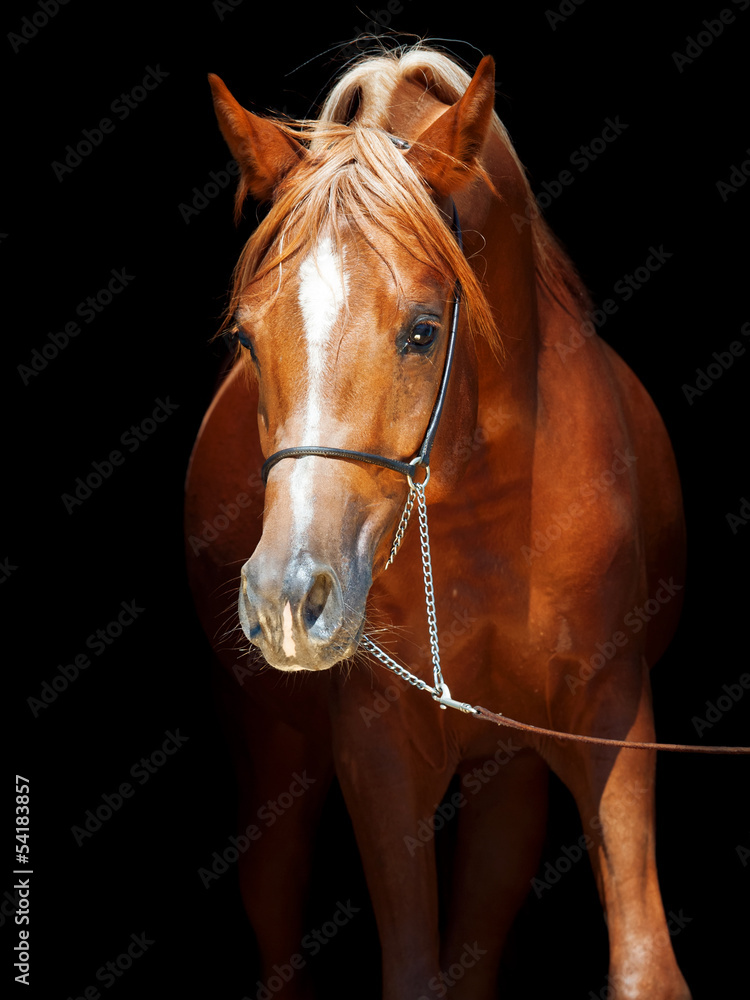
(440, 692)
(402, 526)
(429, 593)
(389, 662)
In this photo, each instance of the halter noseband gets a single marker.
(423, 455)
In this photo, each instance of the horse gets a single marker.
(402, 241)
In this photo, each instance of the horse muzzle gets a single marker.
(298, 615)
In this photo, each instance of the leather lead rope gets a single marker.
(502, 720)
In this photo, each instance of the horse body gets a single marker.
(554, 514)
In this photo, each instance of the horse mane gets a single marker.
(447, 81)
(354, 175)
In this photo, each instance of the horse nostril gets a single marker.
(316, 599)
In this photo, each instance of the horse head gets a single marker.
(343, 301)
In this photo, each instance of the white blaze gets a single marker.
(321, 296)
(289, 646)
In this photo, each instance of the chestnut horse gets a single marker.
(554, 515)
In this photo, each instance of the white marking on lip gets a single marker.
(321, 295)
(289, 646)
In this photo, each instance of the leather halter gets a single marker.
(423, 455)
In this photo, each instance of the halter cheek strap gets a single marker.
(423, 455)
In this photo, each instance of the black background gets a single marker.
(654, 186)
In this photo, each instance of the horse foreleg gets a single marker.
(501, 829)
(391, 794)
(283, 776)
(614, 791)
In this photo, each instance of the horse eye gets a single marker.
(245, 340)
(422, 334)
(238, 333)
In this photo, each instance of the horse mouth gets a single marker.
(311, 659)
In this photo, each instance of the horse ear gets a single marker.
(448, 148)
(264, 152)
